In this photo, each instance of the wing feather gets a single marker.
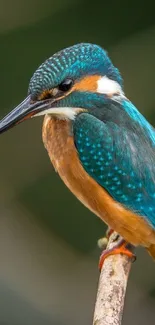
(121, 159)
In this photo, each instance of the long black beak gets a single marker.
(22, 112)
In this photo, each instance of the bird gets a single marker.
(99, 143)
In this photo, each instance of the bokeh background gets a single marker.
(48, 240)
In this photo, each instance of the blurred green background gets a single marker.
(48, 250)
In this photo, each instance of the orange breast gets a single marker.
(58, 140)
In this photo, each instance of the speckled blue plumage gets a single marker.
(73, 62)
(119, 154)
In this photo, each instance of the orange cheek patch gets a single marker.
(44, 95)
(88, 83)
(48, 93)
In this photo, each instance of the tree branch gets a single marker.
(112, 287)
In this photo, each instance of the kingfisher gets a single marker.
(102, 147)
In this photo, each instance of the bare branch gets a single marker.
(112, 287)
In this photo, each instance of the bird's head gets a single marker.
(78, 78)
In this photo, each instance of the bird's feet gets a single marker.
(122, 247)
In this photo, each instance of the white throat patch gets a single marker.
(63, 113)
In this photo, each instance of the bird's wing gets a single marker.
(120, 159)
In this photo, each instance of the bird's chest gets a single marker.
(59, 142)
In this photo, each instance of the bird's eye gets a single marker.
(66, 85)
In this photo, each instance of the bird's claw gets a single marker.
(121, 248)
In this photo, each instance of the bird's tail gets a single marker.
(151, 250)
